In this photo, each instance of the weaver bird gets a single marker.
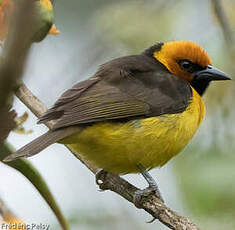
(136, 112)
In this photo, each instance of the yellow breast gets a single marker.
(119, 147)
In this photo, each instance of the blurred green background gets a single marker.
(199, 183)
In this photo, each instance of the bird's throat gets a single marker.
(200, 85)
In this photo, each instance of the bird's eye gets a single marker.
(186, 65)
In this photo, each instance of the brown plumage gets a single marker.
(122, 88)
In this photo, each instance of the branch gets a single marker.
(112, 182)
(220, 14)
(11, 66)
(16, 49)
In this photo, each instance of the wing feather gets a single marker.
(121, 90)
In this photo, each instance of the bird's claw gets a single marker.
(100, 179)
(142, 193)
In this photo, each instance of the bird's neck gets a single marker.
(200, 86)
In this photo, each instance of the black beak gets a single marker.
(211, 74)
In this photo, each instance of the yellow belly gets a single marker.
(119, 147)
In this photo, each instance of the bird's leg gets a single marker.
(152, 188)
(152, 183)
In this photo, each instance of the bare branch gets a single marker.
(219, 11)
(112, 182)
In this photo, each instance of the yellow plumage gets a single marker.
(119, 147)
(97, 117)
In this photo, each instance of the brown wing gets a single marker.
(130, 87)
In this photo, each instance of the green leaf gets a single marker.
(32, 174)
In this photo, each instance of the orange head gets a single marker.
(189, 61)
(173, 53)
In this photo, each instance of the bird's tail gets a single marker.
(43, 142)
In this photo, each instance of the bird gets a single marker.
(135, 113)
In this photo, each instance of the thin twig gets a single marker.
(227, 32)
(150, 204)
(222, 18)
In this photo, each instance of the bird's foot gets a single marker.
(143, 193)
(100, 177)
